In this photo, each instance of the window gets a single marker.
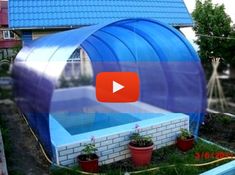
(8, 34)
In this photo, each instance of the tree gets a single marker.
(231, 48)
(212, 27)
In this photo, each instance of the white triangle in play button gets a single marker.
(117, 86)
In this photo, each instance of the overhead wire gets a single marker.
(217, 37)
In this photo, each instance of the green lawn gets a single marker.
(163, 158)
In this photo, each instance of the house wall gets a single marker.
(3, 13)
(29, 35)
(1, 35)
(6, 44)
(26, 37)
(38, 34)
(9, 42)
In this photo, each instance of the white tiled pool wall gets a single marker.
(115, 147)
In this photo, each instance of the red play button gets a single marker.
(117, 87)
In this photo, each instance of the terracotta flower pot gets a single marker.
(141, 155)
(185, 144)
(89, 165)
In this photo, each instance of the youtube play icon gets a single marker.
(117, 87)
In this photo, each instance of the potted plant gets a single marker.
(88, 161)
(185, 140)
(141, 148)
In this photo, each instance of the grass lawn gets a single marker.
(163, 158)
(220, 129)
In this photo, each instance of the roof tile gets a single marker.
(61, 13)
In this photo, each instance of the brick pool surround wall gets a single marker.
(112, 143)
(114, 147)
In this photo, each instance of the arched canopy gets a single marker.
(169, 69)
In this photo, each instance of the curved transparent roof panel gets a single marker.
(53, 68)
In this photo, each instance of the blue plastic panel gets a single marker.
(171, 76)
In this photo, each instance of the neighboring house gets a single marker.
(8, 39)
(34, 19)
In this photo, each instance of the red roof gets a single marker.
(3, 13)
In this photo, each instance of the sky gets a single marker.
(229, 9)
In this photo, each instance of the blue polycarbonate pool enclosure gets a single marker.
(59, 65)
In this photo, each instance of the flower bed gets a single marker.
(169, 159)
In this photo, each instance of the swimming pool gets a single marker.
(81, 123)
(75, 119)
(83, 115)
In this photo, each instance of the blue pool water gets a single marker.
(78, 123)
(83, 115)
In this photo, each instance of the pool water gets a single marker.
(82, 115)
(78, 123)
